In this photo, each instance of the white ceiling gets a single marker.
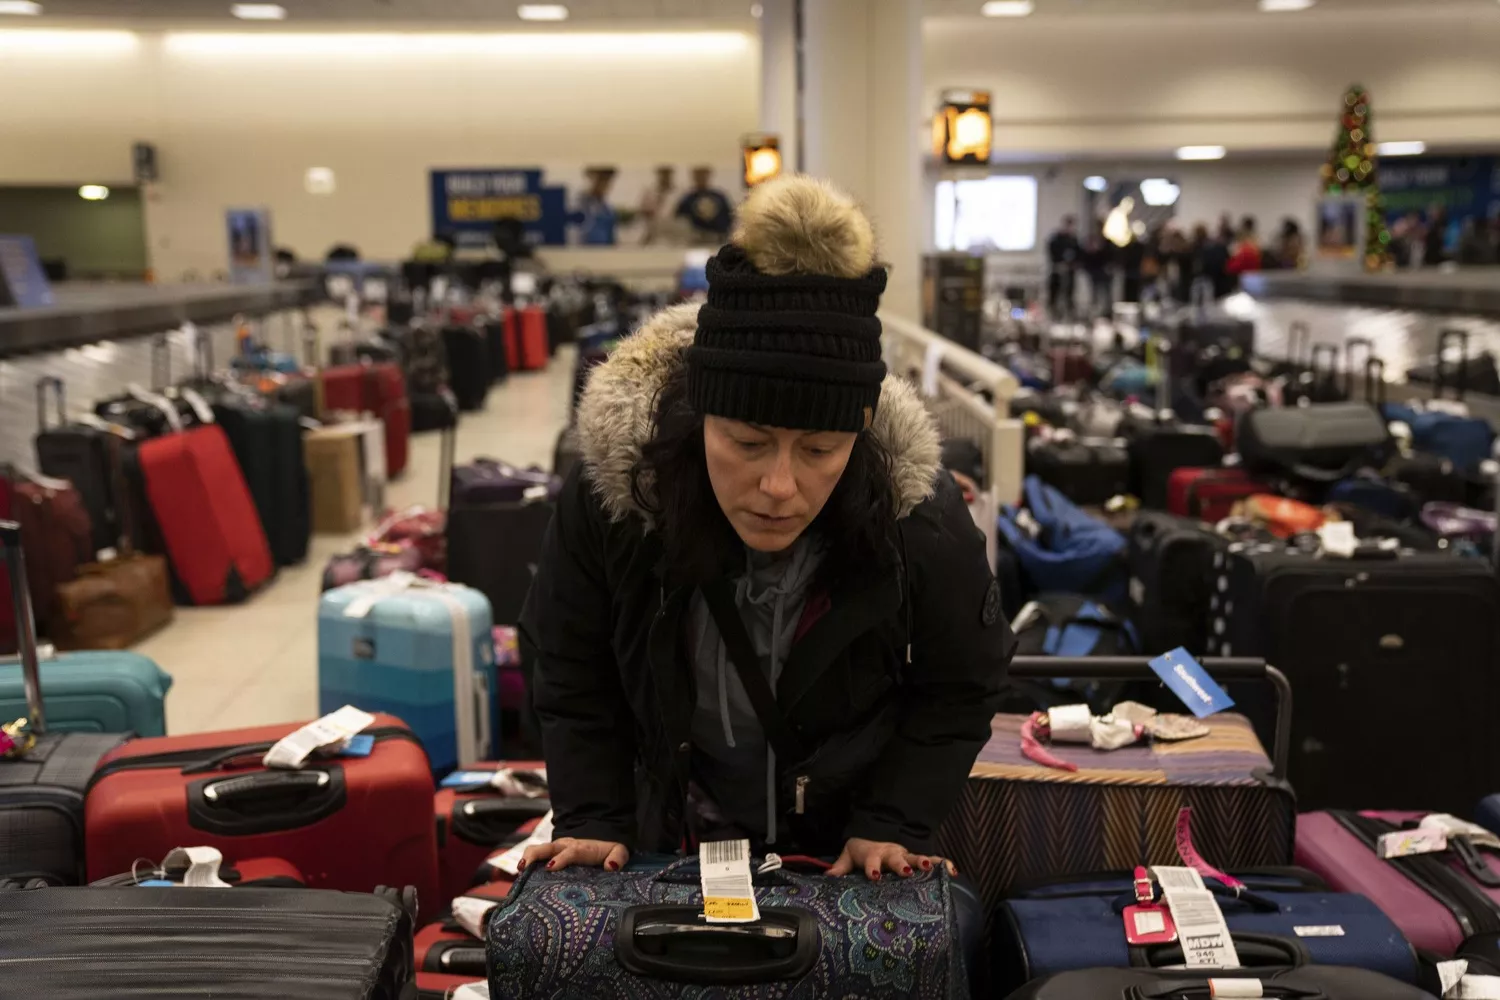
(644, 11)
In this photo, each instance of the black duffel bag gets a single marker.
(1322, 443)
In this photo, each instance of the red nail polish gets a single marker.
(906, 871)
(521, 865)
(611, 865)
(551, 863)
(874, 876)
(926, 865)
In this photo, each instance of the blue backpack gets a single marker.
(1069, 551)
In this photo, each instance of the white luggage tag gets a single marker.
(724, 872)
(1205, 937)
(472, 991)
(333, 729)
(1236, 989)
(470, 913)
(509, 860)
(202, 866)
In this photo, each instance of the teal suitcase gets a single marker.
(92, 692)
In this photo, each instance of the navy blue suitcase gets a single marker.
(1287, 918)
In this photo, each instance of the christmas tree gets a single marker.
(1351, 170)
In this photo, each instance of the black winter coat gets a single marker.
(892, 688)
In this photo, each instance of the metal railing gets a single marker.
(967, 394)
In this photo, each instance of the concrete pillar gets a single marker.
(778, 75)
(863, 125)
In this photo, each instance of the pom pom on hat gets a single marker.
(801, 225)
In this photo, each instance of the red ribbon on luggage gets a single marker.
(1033, 750)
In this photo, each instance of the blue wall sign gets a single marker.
(1467, 186)
(23, 283)
(467, 204)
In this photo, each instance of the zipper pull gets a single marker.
(802, 794)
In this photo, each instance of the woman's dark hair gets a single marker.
(857, 524)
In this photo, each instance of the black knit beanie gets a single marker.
(789, 336)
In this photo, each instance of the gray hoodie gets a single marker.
(731, 761)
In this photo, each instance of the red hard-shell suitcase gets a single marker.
(380, 389)
(1210, 494)
(534, 352)
(345, 822)
(473, 824)
(208, 520)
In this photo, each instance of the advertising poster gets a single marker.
(466, 204)
(23, 283)
(249, 245)
(1465, 187)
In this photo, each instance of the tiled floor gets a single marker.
(256, 663)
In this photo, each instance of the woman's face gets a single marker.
(771, 482)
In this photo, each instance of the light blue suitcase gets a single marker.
(92, 692)
(418, 650)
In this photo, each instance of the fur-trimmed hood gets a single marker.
(615, 418)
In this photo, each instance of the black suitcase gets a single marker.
(494, 548)
(494, 338)
(1321, 443)
(1313, 982)
(267, 443)
(78, 453)
(468, 365)
(433, 411)
(41, 790)
(1387, 653)
(150, 942)
(1170, 559)
(1158, 449)
(1085, 471)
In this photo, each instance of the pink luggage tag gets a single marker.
(1032, 749)
(1193, 859)
(1147, 922)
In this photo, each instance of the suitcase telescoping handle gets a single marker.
(1374, 370)
(20, 594)
(668, 941)
(56, 385)
(1138, 668)
(1440, 366)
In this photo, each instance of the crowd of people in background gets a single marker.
(1166, 263)
(1425, 241)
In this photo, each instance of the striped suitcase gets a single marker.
(419, 650)
(1020, 821)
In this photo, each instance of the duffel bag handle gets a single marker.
(673, 943)
(1138, 668)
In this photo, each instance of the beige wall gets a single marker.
(238, 128)
(1136, 84)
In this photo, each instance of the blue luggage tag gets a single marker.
(359, 745)
(1191, 683)
(461, 779)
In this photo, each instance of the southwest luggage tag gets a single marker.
(1191, 683)
(1147, 922)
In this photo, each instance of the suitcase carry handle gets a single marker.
(1440, 368)
(1298, 337)
(221, 760)
(1138, 668)
(42, 385)
(20, 596)
(1256, 951)
(265, 801)
(1248, 897)
(673, 943)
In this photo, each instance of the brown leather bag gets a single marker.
(118, 602)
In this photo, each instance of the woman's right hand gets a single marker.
(565, 851)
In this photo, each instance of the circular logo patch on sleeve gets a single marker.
(991, 611)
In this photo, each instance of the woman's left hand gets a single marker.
(872, 857)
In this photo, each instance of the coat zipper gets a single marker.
(183, 758)
(1471, 909)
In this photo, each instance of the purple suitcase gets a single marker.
(491, 481)
(1438, 900)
